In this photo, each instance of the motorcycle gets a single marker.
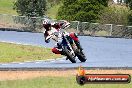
(71, 50)
(69, 47)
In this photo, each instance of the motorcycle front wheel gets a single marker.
(71, 57)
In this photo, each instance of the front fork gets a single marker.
(72, 43)
(71, 49)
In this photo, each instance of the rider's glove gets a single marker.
(47, 41)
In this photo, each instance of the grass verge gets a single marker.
(6, 7)
(55, 82)
(19, 53)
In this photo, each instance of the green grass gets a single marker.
(55, 82)
(6, 7)
(19, 53)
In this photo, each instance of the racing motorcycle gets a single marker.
(71, 50)
(67, 44)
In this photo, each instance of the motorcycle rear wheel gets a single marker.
(81, 56)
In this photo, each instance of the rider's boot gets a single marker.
(62, 53)
(56, 51)
(60, 49)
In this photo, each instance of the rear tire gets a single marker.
(69, 56)
(81, 56)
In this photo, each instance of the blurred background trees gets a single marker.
(117, 15)
(129, 4)
(30, 7)
(81, 10)
(101, 11)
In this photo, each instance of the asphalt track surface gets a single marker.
(100, 51)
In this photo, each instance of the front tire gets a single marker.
(71, 57)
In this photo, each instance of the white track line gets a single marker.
(21, 63)
(4, 64)
(36, 61)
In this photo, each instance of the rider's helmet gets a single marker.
(47, 24)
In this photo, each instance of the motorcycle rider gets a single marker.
(52, 31)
